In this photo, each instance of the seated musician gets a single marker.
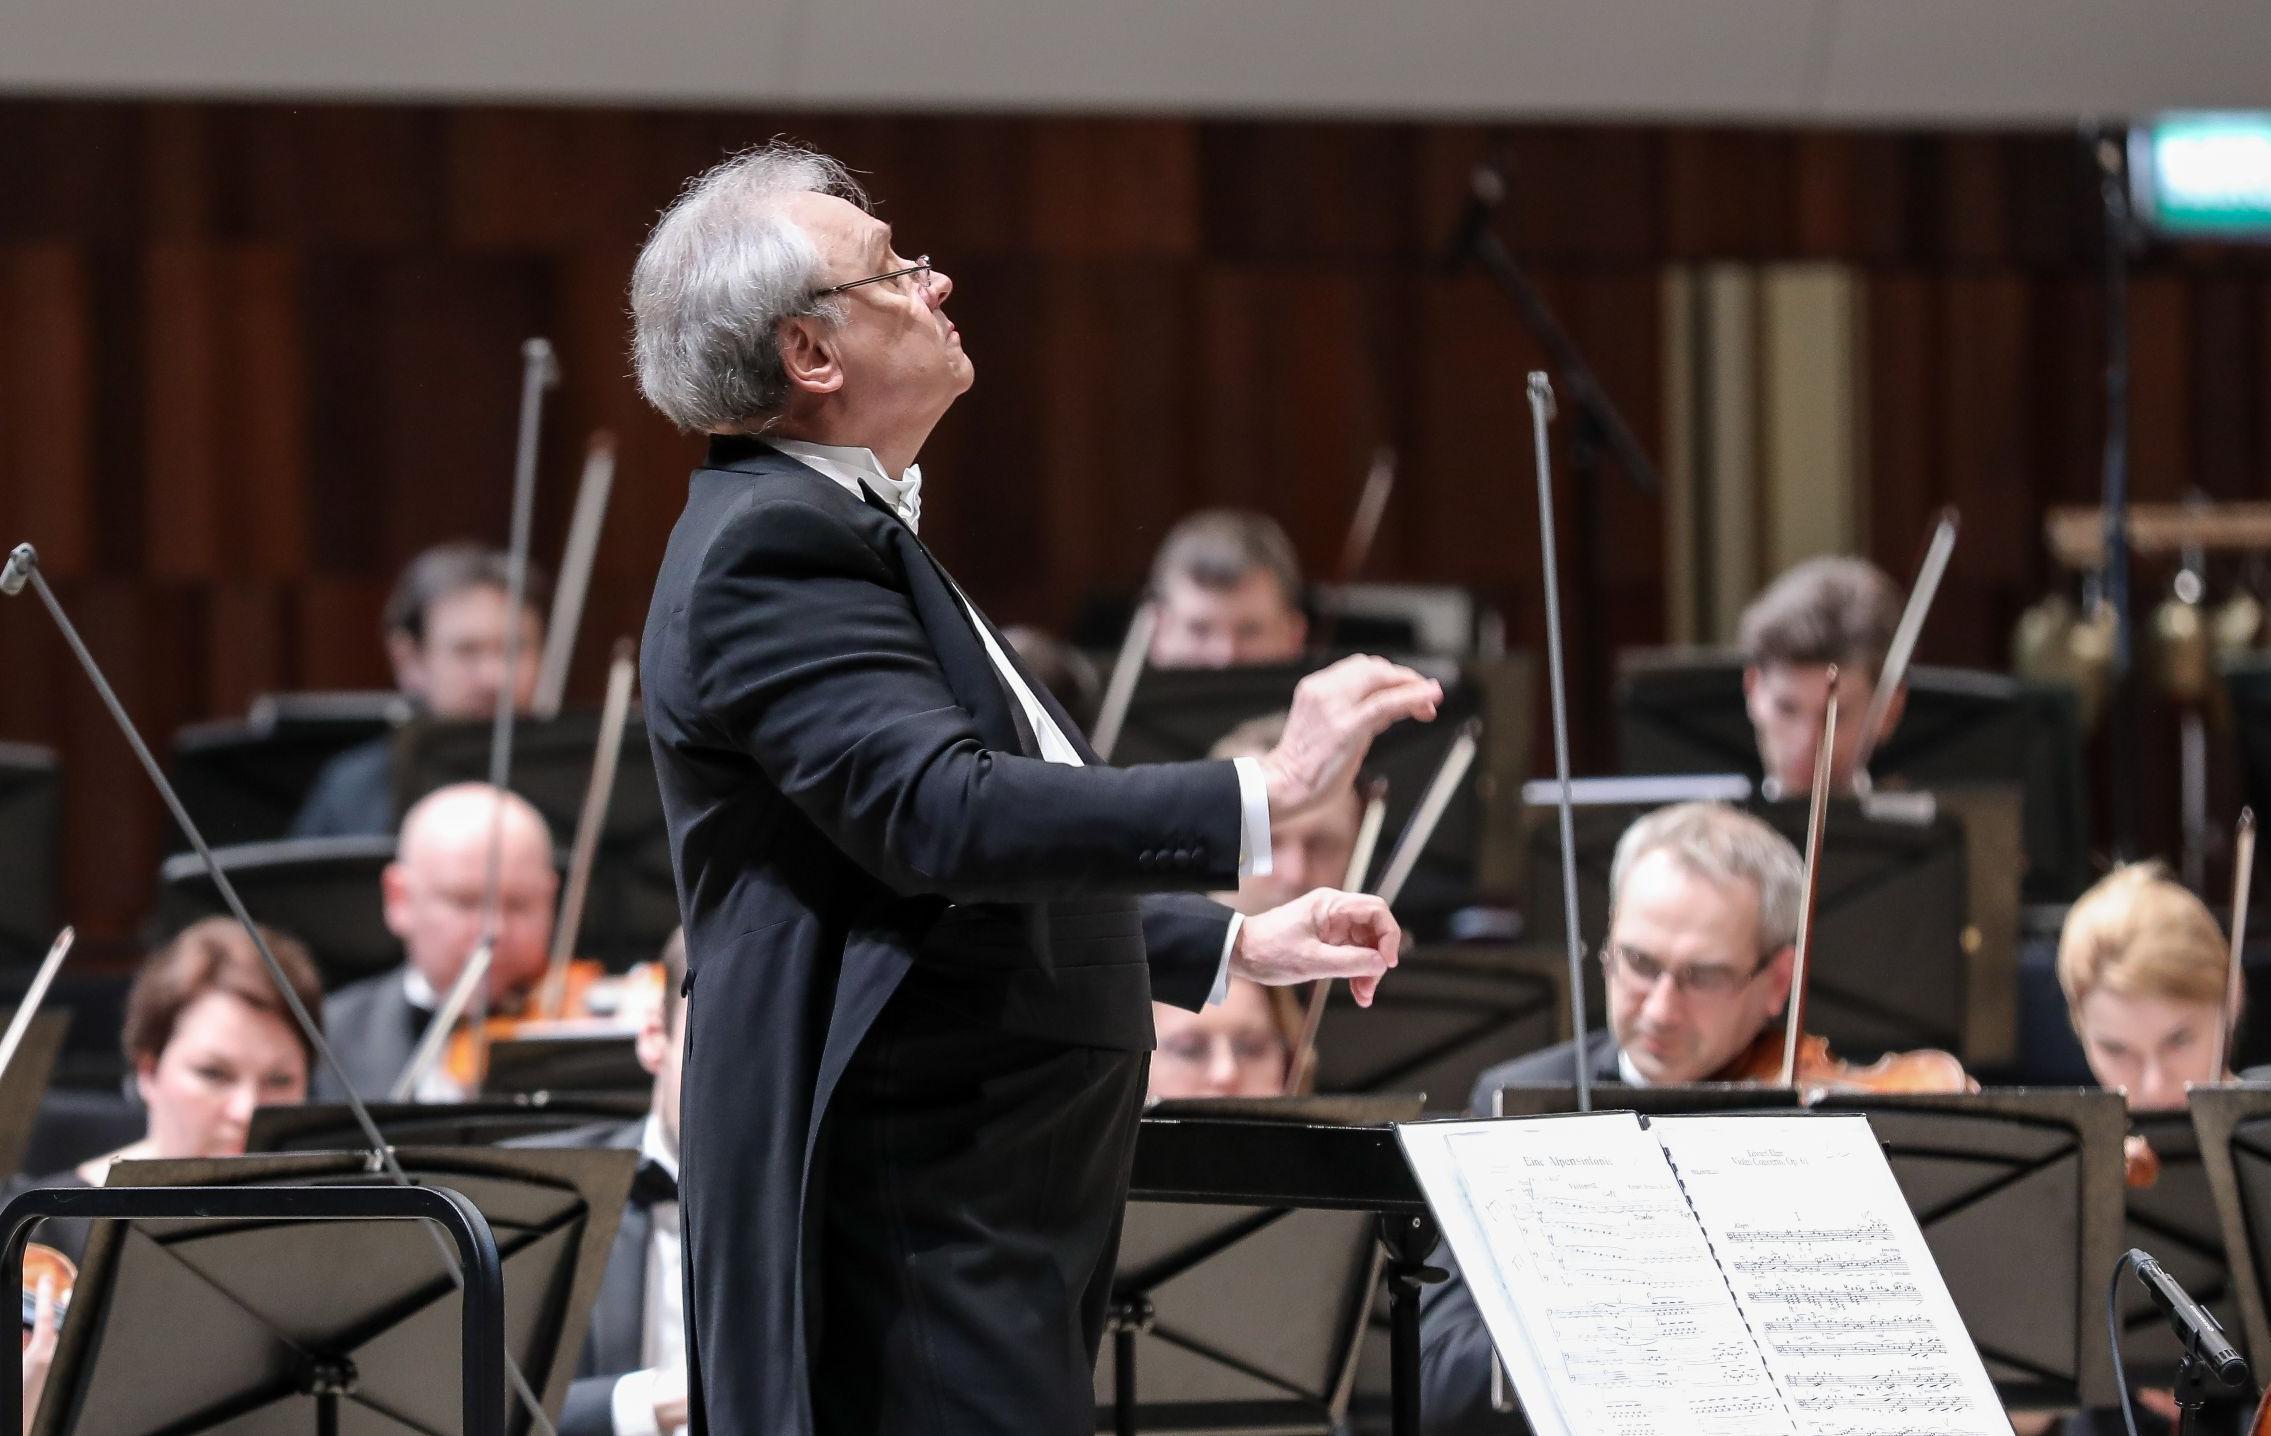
(1227, 588)
(208, 1038)
(1825, 611)
(1703, 920)
(433, 894)
(1240, 1046)
(631, 1376)
(2142, 962)
(446, 627)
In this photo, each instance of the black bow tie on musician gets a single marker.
(924, 921)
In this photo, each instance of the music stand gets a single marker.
(1446, 1016)
(24, 1084)
(31, 826)
(1242, 1319)
(323, 891)
(2177, 1221)
(1893, 970)
(182, 1326)
(324, 1127)
(244, 781)
(1682, 712)
(1552, 1099)
(2018, 1191)
(2233, 1126)
(632, 907)
(577, 1062)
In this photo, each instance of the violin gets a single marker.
(590, 997)
(1819, 1070)
(43, 1262)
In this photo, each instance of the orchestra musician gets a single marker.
(446, 626)
(1825, 613)
(433, 893)
(924, 924)
(1227, 588)
(1703, 923)
(631, 1375)
(208, 1038)
(2143, 965)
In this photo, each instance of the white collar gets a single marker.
(850, 467)
(1627, 1073)
(655, 1146)
(420, 992)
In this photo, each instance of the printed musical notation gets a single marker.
(1848, 1309)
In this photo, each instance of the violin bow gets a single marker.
(1817, 817)
(1298, 1065)
(22, 570)
(614, 714)
(34, 995)
(1135, 652)
(1541, 415)
(575, 575)
(540, 371)
(2243, 879)
(1937, 550)
(1363, 529)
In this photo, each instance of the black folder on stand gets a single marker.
(1445, 1016)
(485, 1122)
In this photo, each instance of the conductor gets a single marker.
(924, 923)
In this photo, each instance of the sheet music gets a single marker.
(1833, 1276)
(1597, 1285)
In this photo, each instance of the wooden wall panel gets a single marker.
(253, 356)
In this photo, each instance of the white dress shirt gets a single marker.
(662, 1326)
(853, 467)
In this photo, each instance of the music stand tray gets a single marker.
(1450, 1014)
(568, 1062)
(1548, 1099)
(1188, 1352)
(31, 816)
(326, 1127)
(2233, 1127)
(24, 1085)
(323, 891)
(181, 1326)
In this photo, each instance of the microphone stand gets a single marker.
(2122, 743)
(1597, 429)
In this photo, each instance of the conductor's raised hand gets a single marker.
(1324, 934)
(1336, 714)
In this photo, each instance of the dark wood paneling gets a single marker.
(253, 356)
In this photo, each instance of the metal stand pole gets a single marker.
(1410, 1240)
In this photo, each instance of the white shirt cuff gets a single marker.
(1254, 820)
(633, 1404)
(1222, 968)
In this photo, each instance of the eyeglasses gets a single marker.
(1690, 980)
(920, 267)
(1247, 1049)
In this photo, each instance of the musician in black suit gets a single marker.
(921, 975)
(433, 893)
(1703, 926)
(631, 1375)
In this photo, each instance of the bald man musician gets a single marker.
(433, 895)
(924, 924)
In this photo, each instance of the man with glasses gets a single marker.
(1703, 925)
(924, 924)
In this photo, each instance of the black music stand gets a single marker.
(1446, 1015)
(31, 826)
(24, 1085)
(1238, 1318)
(567, 1062)
(320, 1127)
(259, 1327)
(1551, 1099)
(244, 781)
(323, 891)
(182, 1361)
(1179, 714)
(1682, 712)
(2233, 1129)
(1892, 970)
(2176, 1220)
(632, 907)
(2018, 1191)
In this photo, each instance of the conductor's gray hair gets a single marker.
(720, 271)
(1722, 845)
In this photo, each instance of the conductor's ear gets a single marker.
(809, 355)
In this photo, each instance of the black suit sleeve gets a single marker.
(806, 648)
(590, 1407)
(1184, 935)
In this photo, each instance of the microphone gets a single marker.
(1486, 190)
(19, 570)
(2198, 1330)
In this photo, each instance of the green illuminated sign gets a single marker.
(2205, 174)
